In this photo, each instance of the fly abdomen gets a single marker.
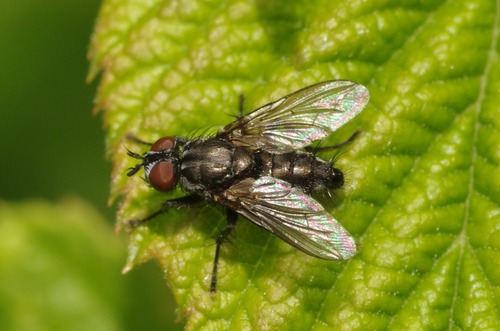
(301, 169)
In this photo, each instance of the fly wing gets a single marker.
(291, 215)
(300, 118)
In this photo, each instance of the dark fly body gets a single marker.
(261, 167)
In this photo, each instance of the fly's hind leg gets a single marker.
(231, 216)
(185, 201)
(336, 146)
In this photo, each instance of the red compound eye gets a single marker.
(162, 176)
(163, 144)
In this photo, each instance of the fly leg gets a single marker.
(336, 146)
(231, 216)
(241, 101)
(133, 138)
(185, 201)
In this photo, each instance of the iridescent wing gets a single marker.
(291, 215)
(300, 118)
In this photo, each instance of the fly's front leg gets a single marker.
(133, 138)
(186, 201)
(231, 216)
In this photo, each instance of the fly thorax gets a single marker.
(243, 162)
(212, 164)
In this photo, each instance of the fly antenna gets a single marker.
(132, 154)
(133, 170)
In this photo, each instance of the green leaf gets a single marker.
(58, 266)
(422, 194)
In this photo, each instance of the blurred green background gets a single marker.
(59, 254)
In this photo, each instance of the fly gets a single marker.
(261, 166)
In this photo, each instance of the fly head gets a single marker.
(160, 164)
